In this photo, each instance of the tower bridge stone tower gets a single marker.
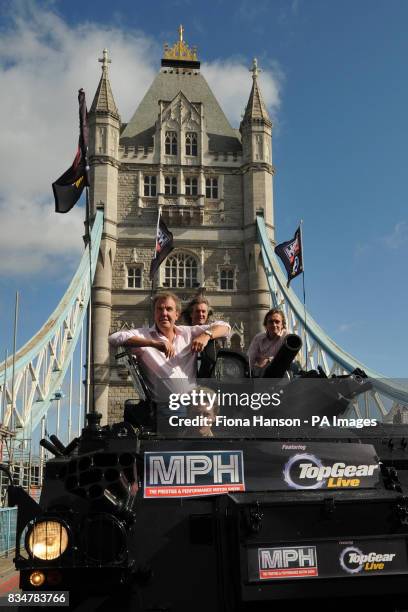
(180, 153)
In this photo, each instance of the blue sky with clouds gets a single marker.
(334, 78)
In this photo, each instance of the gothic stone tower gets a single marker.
(180, 153)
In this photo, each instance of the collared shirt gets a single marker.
(157, 368)
(262, 347)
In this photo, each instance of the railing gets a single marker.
(8, 524)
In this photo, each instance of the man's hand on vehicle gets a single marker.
(199, 343)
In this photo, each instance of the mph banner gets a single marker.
(259, 466)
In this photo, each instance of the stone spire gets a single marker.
(103, 101)
(104, 129)
(255, 109)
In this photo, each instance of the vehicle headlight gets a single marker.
(47, 540)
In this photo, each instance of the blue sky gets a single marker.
(334, 78)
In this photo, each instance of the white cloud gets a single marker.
(398, 237)
(43, 63)
(231, 83)
(34, 241)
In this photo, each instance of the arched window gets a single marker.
(235, 343)
(170, 143)
(181, 270)
(191, 143)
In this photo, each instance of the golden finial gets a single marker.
(180, 50)
(255, 70)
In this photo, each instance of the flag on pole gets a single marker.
(68, 188)
(164, 245)
(291, 255)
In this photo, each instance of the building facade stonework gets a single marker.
(178, 153)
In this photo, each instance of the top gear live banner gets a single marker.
(328, 559)
(260, 466)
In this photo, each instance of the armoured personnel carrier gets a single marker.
(266, 503)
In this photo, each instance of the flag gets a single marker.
(164, 246)
(291, 254)
(68, 188)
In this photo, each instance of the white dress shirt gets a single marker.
(157, 369)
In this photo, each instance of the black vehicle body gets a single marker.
(154, 540)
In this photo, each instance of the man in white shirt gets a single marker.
(265, 345)
(167, 351)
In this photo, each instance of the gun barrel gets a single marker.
(284, 357)
(57, 443)
(49, 446)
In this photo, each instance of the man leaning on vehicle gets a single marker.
(167, 351)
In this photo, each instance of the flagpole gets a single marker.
(152, 280)
(89, 406)
(89, 337)
(304, 292)
(67, 190)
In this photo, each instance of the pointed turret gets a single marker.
(104, 128)
(104, 119)
(256, 130)
(256, 126)
(255, 109)
(103, 101)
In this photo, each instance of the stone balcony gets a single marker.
(185, 210)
